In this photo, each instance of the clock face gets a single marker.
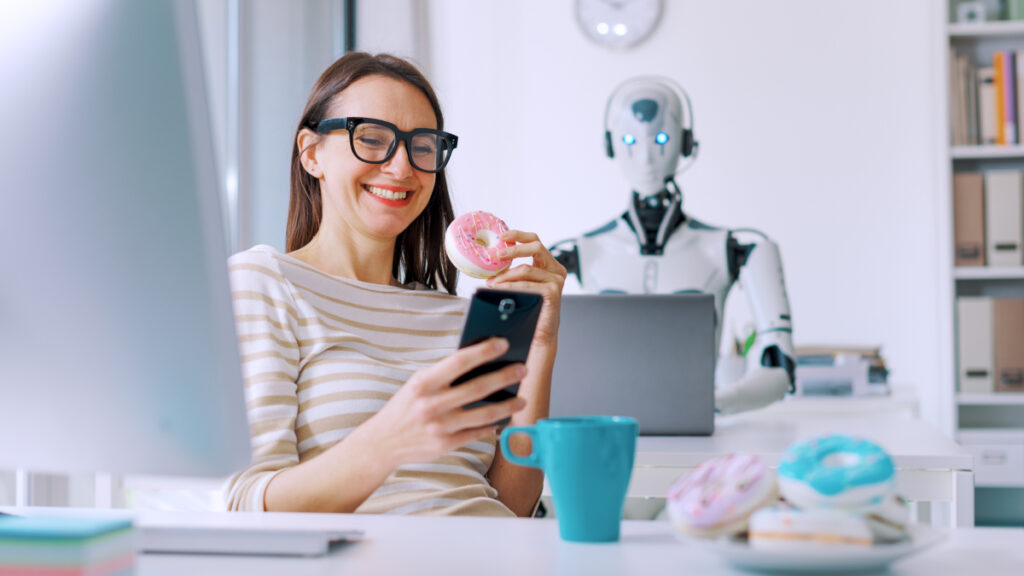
(618, 23)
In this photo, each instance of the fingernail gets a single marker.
(520, 403)
(490, 281)
(504, 254)
(500, 344)
(520, 371)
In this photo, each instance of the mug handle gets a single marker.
(533, 458)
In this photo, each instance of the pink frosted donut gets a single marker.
(718, 497)
(472, 244)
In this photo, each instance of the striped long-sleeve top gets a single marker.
(321, 355)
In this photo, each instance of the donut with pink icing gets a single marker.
(473, 242)
(719, 496)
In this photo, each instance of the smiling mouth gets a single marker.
(385, 193)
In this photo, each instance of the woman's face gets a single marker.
(375, 200)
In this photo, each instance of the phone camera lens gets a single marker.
(506, 307)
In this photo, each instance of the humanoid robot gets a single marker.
(655, 247)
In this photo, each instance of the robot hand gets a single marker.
(755, 389)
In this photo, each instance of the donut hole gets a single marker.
(841, 460)
(486, 238)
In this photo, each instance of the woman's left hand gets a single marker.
(545, 276)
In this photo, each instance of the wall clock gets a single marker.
(618, 23)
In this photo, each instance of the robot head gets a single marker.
(645, 131)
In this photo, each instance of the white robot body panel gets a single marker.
(694, 260)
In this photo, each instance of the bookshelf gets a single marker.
(989, 424)
(990, 399)
(982, 273)
(986, 152)
(995, 29)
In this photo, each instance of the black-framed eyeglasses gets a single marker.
(375, 141)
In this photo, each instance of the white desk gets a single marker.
(473, 546)
(901, 401)
(931, 467)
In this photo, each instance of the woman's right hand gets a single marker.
(426, 419)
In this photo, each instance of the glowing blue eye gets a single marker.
(661, 138)
(629, 140)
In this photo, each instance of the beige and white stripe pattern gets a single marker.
(321, 355)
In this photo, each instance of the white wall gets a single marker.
(814, 124)
(284, 47)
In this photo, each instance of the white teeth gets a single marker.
(384, 193)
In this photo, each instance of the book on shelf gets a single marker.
(1009, 98)
(999, 85)
(987, 105)
(968, 219)
(1004, 218)
(970, 76)
(957, 91)
(975, 355)
(1019, 75)
(955, 105)
(1008, 329)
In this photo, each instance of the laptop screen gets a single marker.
(650, 357)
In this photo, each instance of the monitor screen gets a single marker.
(117, 344)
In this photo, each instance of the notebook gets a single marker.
(650, 357)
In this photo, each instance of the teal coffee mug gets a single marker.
(588, 461)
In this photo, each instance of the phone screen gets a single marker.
(508, 314)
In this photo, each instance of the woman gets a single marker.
(348, 346)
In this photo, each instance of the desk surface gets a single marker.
(913, 444)
(451, 546)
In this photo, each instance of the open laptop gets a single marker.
(650, 357)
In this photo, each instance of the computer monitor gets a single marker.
(117, 345)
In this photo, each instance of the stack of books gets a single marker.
(66, 546)
(987, 99)
(841, 371)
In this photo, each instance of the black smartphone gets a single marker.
(505, 313)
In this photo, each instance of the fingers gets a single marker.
(441, 375)
(527, 273)
(520, 236)
(480, 387)
(484, 415)
(528, 245)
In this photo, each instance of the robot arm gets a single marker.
(567, 254)
(771, 366)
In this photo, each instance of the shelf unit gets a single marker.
(991, 425)
(990, 399)
(983, 273)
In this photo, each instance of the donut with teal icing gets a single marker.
(836, 472)
(473, 243)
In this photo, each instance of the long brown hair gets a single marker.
(419, 249)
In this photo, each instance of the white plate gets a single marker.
(819, 560)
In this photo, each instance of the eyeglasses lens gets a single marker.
(372, 142)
